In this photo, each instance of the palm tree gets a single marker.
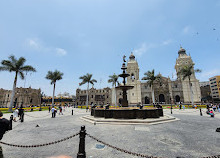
(54, 77)
(17, 66)
(87, 79)
(151, 78)
(186, 72)
(114, 79)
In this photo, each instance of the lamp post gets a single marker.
(171, 109)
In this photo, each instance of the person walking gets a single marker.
(15, 114)
(4, 126)
(21, 113)
(49, 109)
(53, 112)
(60, 108)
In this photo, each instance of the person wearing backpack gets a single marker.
(4, 126)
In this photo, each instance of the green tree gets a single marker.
(54, 77)
(18, 66)
(151, 79)
(186, 72)
(114, 79)
(87, 79)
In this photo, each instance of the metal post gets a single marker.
(11, 119)
(22, 117)
(200, 111)
(82, 135)
(72, 111)
(171, 109)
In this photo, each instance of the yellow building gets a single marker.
(215, 87)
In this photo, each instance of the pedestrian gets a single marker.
(4, 126)
(183, 107)
(15, 114)
(211, 113)
(218, 107)
(60, 108)
(21, 113)
(87, 108)
(180, 106)
(53, 112)
(214, 107)
(49, 109)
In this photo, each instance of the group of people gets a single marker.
(54, 110)
(18, 113)
(211, 108)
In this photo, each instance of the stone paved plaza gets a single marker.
(191, 136)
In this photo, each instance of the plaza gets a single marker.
(191, 135)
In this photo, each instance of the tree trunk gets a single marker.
(191, 92)
(13, 93)
(54, 86)
(152, 93)
(87, 95)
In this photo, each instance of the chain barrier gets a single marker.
(119, 149)
(217, 156)
(39, 145)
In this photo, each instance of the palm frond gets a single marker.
(21, 74)
(28, 68)
(54, 76)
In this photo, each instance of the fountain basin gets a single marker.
(127, 113)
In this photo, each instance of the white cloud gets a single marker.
(207, 74)
(187, 29)
(33, 43)
(60, 51)
(167, 42)
(143, 49)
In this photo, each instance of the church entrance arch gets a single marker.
(177, 98)
(146, 100)
(120, 100)
(161, 98)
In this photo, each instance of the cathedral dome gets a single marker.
(181, 51)
(132, 57)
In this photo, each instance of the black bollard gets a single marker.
(171, 109)
(11, 119)
(200, 112)
(22, 117)
(82, 135)
(72, 111)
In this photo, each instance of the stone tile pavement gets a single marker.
(192, 136)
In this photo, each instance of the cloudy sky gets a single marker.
(77, 37)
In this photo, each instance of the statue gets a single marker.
(124, 58)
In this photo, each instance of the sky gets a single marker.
(91, 36)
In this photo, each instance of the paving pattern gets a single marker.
(192, 136)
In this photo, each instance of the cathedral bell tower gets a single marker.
(134, 95)
(184, 60)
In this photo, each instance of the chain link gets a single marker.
(119, 149)
(39, 145)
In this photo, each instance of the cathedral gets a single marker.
(166, 92)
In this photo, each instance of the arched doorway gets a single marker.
(177, 98)
(146, 100)
(161, 98)
(120, 100)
